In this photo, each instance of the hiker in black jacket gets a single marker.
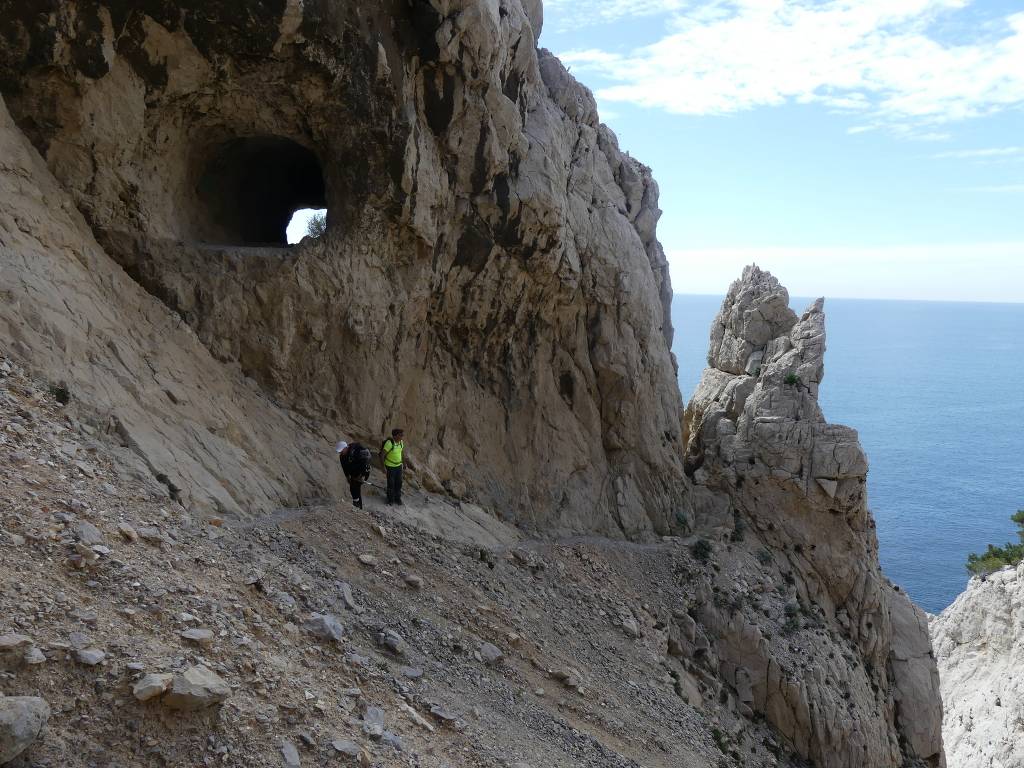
(355, 463)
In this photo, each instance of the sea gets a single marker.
(936, 391)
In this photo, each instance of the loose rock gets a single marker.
(22, 719)
(196, 688)
(325, 627)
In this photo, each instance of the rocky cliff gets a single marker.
(979, 641)
(491, 280)
(861, 689)
(490, 277)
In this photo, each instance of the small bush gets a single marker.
(702, 550)
(739, 528)
(764, 557)
(994, 558)
(719, 738)
(317, 225)
(61, 393)
(792, 625)
(792, 379)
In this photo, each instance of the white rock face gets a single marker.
(979, 642)
(490, 279)
(760, 451)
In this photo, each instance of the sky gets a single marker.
(856, 148)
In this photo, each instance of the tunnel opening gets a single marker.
(250, 188)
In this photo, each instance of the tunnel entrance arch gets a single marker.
(250, 187)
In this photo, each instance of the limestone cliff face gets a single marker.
(766, 463)
(979, 641)
(490, 277)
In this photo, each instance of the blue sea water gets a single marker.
(936, 391)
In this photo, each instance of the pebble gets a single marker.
(151, 534)
(90, 657)
(345, 747)
(443, 714)
(151, 686)
(413, 580)
(412, 673)
(290, 755)
(393, 641)
(368, 560)
(128, 532)
(196, 688)
(490, 654)
(325, 627)
(200, 636)
(10, 643)
(373, 722)
(350, 602)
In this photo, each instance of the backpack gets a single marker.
(356, 461)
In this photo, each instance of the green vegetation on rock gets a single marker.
(994, 558)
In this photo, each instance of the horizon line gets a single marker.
(996, 302)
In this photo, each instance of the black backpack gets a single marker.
(356, 460)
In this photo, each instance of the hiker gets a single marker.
(391, 453)
(355, 463)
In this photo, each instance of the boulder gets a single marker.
(325, 627)
(22, 719)
(196, 688)
(151, 686)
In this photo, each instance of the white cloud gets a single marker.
(965, 272)
(997, 188)
(982, 154)
(573, 13)
(881, 58)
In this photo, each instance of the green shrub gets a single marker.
(60, 393)
(701, 550)
(994, 558)
(792, 379)
(317, 224)
(739, 528)
(719, 738)
(791, 625)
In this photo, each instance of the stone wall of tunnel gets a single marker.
(491, 279)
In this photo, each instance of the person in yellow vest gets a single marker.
(391, 452)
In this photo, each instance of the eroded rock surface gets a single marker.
(979, 641)
(770, 471)
(490, 278)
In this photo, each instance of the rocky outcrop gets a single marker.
(490, 277)
(769, 471)
(979, 642)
